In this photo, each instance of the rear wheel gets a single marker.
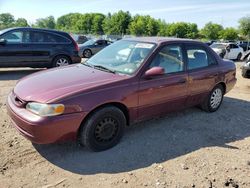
(214, 99)
(61, 60)
(87, 53)
(103, 129)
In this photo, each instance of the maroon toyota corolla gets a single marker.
(129, 81)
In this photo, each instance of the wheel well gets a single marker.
(118, 105)
(224, 86)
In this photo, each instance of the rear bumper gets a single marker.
(44, 130)
(76, 59)
(230, 84)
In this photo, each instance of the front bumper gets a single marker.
(44, 130)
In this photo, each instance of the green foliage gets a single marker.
(144, 26)
(229, 34)
(122, 22)
(211, 31)
(245, 26)
(183, 30)
(117, 23)
(21, 22)
(48, 23)
(68, 22)
(6, 20)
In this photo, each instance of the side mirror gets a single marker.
(154, 71)
(3, 41)
(228, 48)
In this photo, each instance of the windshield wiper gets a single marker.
(87, 64)
(100, 67)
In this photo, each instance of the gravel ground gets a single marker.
(185, 149)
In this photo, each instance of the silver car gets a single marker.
(91, 47)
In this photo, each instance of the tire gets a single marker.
(61, 60)
(239, 56)
(213, 101)
(103, 129)
(87, 53)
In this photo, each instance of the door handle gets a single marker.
(182, 81)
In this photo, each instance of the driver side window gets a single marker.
(13, 36)
(170, 58)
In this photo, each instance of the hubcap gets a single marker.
(87, 53)
(62, 62)
(216, 98)
(106, 130)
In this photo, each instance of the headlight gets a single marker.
(45, 109)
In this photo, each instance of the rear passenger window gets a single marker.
(198, 58)
(43, 37)
(170, 58)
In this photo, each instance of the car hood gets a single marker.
(217, 50)
(53, 84)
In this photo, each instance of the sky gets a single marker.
(224, 12)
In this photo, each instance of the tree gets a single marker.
(144, 25)
(162, 28)
(183, 30)
(21, 22)
(117, 23)
(97, 21)
(211, 31)
(229, 34)
(48, 23)
(68, 22)
(245, 26)
(6, 20)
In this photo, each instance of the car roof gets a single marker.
(159, 40)
(35, 29)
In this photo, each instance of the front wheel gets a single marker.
(214, 99)
(239, 56)
(103, 129)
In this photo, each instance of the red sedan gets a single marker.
(129, 81)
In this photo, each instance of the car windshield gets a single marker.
(122, 56)
(89, 42)
(220, 46)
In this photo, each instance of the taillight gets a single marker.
(75, 43)
(76, 46)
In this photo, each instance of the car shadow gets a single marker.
(157, 140)
(16, 74)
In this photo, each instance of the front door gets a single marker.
(164, 93)
(15, 52)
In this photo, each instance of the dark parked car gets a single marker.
(92, 46)
(30, 47)
(246, 69)
(129, 81)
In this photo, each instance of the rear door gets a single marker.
(202, 73)
(15, 52)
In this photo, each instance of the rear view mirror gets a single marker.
(3, 41)
(154, 71)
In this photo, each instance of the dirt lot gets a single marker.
(186, 149)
